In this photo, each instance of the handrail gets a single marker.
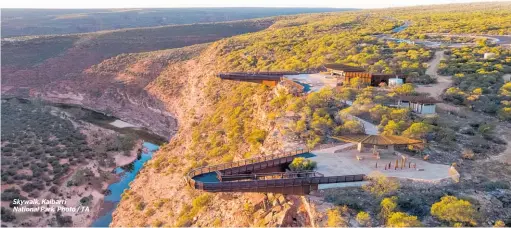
(270, 176)
(244, 162)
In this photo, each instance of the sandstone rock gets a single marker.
(268, 218)
(282, 200)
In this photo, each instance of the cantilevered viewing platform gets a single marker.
(342, 165)
(251, 175)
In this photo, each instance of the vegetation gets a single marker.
(335, 218)
(379, 185)
(454, 211)
(342, 38)
(387, 207)
(319, 116)
(363, 218)
(478, 81)
(35, 144)
(400, 219)
(465, 19)
(302, 164)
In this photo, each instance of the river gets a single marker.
(128, 174)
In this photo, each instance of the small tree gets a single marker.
(400, 219)
(380, 185)
(352, 127)
(392, 128)
(417, 130)
(363, 218)
(454, 210)
(302, 164)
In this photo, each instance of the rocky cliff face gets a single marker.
(159, 195)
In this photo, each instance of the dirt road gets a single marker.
(443, 82)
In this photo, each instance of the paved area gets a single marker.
(346, 163)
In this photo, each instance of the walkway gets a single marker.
(210, 178)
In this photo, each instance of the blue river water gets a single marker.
(128, 174)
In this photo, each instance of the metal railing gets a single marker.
(241, 163)
(268, 176)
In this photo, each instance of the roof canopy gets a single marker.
(345, 68)
(378, 140)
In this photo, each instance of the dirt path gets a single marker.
(443, 82)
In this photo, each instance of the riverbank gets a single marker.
(128, 174)
(82, 160)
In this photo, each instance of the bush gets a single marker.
(257, 137)
(454, 210)
(494, 185)
(7, 215)
(201, 201)
(334, 218)
(380, 185)
(499, 223)
(400, 219)
(302, 164)
(363, 218)
(387, 207)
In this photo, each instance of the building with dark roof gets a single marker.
(345, 73)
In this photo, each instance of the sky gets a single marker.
(220, 3)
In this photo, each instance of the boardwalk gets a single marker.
(243, 176)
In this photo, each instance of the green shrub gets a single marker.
(302, 164)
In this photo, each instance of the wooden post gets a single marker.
(397, 164)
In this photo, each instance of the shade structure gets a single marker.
(378, 140)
